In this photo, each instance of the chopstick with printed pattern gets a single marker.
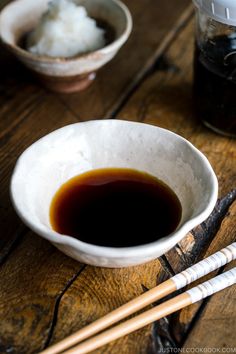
(177, 282)
(191, 296)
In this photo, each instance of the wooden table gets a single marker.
(44, 295)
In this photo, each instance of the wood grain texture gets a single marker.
(217, 317)
(221, 307)
(45, 295)
(33, 280)
(29, 126)
(182, 322)
(98, 291)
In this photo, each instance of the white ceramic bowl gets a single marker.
(64, 74)
(77, 148)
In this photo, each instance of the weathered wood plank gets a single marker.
(33, 280)
(182, 322)
(43, 290)
(218, 317)
(97, 291)
(225, 236)
(196, 243)
(29, 127)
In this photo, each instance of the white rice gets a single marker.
(65, 30)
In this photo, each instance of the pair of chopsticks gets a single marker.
(177, 282)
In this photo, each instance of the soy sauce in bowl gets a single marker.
(115, 207)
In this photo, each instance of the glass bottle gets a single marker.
(215, 65)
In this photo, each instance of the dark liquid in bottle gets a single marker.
(115, 207)
(215, 84)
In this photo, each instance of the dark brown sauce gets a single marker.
(115, 207)
(215, 84)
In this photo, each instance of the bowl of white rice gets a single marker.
(65, 42)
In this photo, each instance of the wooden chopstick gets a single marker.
(179, 281)
(191, 296)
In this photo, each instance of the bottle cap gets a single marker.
(220, 10)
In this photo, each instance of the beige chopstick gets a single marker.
(177, 282)
(201, 291)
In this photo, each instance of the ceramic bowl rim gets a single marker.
(124, 252)
(115, 44)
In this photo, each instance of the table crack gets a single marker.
(8, 249)
(57, 304)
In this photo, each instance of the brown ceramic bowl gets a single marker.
(65, 74)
